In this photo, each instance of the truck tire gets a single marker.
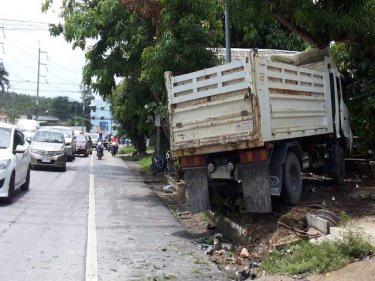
(292, 178)
(339, 174)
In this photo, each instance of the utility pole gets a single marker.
(37, 85)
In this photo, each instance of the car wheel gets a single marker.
(292, 178)
(12, 183)
(63, 169)
(26, 185)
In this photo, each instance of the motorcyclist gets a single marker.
(100, 139)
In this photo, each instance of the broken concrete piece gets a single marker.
(244, 253)
(312, 232)
(317, 223)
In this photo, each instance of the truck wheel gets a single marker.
(339, 174)
(292, 178)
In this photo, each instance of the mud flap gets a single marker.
(255, 180)
(197, 186)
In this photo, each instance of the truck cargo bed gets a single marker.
(244, 104)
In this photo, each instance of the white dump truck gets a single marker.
(260, 120)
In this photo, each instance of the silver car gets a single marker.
(47, 149)
(70, 140)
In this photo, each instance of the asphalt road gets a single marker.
(96, 221)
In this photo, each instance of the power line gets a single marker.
(26, 21)
(50, 83)
(34, 90)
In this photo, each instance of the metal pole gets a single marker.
(227, 35)
(37, 88)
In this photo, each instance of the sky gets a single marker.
(23, 30)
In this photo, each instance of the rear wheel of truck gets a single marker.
(292, 178)
(339, 174)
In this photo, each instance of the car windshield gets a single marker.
(81, 138)
(67, 132)
(48, 136)
(4, 138)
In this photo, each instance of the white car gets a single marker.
(70, 140)
(14, 161)
(28, 127)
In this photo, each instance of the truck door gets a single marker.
(345, 129)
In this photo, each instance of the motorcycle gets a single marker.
(113, 148)
(99, 150)
(157, 163)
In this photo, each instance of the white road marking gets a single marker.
(92, 248)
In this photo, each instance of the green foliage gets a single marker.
(305, 257)
(60, 107)
(145, 162)
(207, 239)
(3, 78)
(127, 149)
(140, 44)
(348, 23)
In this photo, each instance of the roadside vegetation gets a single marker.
(127, 149)
(305, 257)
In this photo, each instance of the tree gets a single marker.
(137, 43)
(348, 23)
(3, 77)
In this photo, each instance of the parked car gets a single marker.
(47, 149)
(70, 140)
(90, 142)
(28, 127)
(82, 145)
(14, 161)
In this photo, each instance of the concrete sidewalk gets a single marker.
(137, 236)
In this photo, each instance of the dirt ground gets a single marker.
(354, 201)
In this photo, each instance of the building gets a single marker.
(4, 117)
(101, 117)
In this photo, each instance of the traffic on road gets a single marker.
(90, 220)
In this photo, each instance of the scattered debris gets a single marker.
(318, 223)
(244, 253)
(168, 188)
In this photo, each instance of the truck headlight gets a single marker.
(4, 164)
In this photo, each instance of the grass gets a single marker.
(144, 162)
(127, 149)
(305, 257)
